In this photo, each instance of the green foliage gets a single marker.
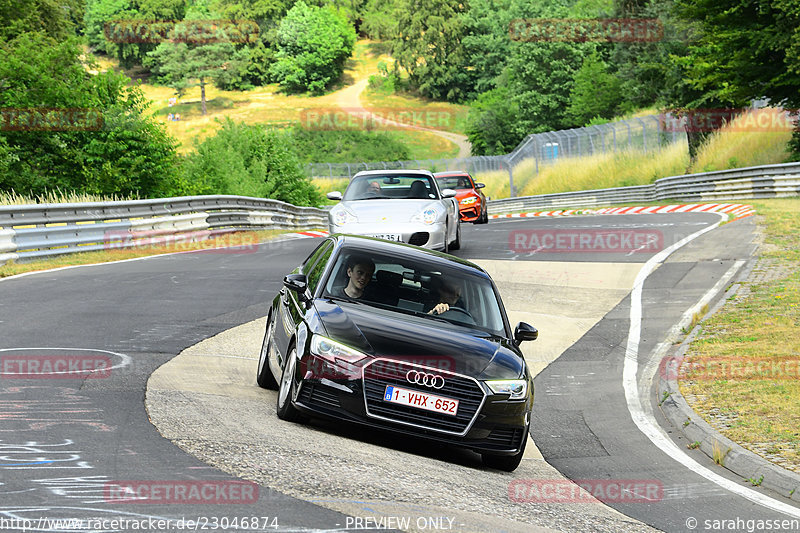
(247, 160)
(379, 19)
(130, 153)
(101, 16)
(346, 146)
(490, 124)
(745, 50)
(486, 43)
(56, 18)
(181, 63)
(541, 77)
(596, 92)
(313, 45)
(428, 46)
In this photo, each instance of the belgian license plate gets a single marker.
(420, 400)
(388, 236)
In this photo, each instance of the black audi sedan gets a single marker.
(402, 339)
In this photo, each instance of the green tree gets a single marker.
(112, 26)
(182, 65)
(745, 50)
(491, 123)
(428, 47)
(197, 54)
(125, 152)
(379, 19)
(57, 18)
(595, 93)
(267, 14)
(248, 160)
(313, 45)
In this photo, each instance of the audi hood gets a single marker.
(419, 340)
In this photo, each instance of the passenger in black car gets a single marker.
(447, 294)
(359, 274)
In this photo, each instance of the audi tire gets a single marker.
(264, 376)
(285, 409)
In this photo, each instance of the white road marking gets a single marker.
(647, 424)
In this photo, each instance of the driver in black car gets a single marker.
(448, 293)
(359, 274)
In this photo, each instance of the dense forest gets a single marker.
(709, 54)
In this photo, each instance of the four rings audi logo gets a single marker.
(423, 378)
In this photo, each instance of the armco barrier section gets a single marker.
(768, 181)
(42, 230)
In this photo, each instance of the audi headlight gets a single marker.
(468, 201)
(342, 216)
(332, 350)
(517, 389)
(426, 216)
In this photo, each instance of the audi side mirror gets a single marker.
(480, 185)
(525, 332)
(448, 193)
(298, 283)
(334, 195)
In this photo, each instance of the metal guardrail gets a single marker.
(43, 230)
(769, 181)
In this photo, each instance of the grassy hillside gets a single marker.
(266, 105)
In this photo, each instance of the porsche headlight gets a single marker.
(468, 201)
(517, 389)
(332, 350)
(342, 216)
(426, 216)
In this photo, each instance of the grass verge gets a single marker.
(242, 241)
(742, 373)
(58, 197)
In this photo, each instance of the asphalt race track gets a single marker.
(67, 445)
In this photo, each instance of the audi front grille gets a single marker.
(465, 389)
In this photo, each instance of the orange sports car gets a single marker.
(471, 200)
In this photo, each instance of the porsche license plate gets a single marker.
(388, 236)
(420, 400)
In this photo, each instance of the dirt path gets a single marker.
(349, 98)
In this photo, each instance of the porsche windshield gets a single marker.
(434, 290)
(412, 186)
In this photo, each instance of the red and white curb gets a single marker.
(311, 233)
(737, 210)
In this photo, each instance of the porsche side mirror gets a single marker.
(480, 185)
(334, 195)
(525, 332)
(448, 193)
